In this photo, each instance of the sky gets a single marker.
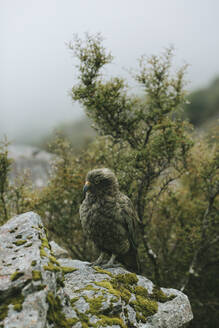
(37, 70)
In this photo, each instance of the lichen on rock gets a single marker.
(16, 299)
(38, 289)
(16, 275)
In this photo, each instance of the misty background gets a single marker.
(37, 68)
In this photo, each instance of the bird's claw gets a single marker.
(98, 261)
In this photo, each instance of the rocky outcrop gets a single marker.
(40, 288)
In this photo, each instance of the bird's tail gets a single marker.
(131, 260)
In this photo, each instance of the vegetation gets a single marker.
(14, 198)
(171, 179)
(204, 104)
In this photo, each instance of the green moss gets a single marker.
(123, 286)
(91, 287)
(33, 263)
(99, 270)
(73, 300)
(95, 309)
(84, 319)
(44, 242)
(159, 296)
(55, 315)
(16, 299)
(110, 321)
(120, 286)
(18, 307)
(40, 287)
(107, 284)
(139, 290)
(43, 252)
(36, 228)
(19, 242)
(16, 275)
(125, 294)
(95, 304)
(18, 236)
(36, 275)
(88, 287)
(126, 279)
(125, 312)
(51, 267)
(67, 269)
(60, 281)
(53, 260)
(144, 308)
(3, 311)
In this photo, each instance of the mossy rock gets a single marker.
(16, 275)
(51, 267)
(55, 314)
(16, 299)
(36, 275)
(158, 295)
(66, 269)
(19, 242)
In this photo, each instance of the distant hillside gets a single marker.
(204, 104)
(203, 113)
(79, 133)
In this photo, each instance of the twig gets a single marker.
(153, 257)
(193, 270)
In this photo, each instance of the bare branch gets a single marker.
(153, 257)
(193, 268)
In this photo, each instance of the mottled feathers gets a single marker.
(109, 219)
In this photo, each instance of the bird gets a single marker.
(109, 219)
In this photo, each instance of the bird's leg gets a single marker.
(110, 263)
(99, 260)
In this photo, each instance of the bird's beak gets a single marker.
(86, 187)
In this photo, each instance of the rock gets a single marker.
(25, 278)
(58, 251)
(37, 290)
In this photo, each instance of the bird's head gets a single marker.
(101, 181)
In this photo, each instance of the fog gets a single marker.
(37, 69)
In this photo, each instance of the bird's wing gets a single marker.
(129, 218)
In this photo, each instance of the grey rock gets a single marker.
(21, 248)
(58, 251)
(171, 314)
(86, 295)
